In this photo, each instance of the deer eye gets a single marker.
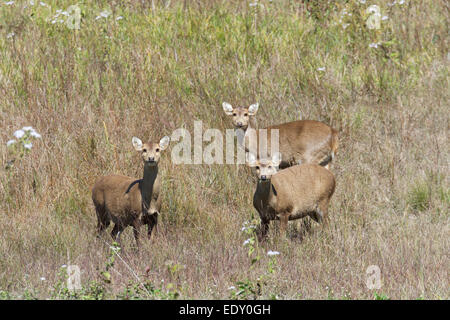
(144, 150)
(257, 167)
(157, 149)
(234, 114)
(245, 114)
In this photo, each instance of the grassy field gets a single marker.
(146, 68)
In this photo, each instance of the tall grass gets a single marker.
(168, 63)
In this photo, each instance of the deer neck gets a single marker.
(243, 137)
(264, 191)
(148, 181)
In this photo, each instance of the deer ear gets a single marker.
(251, 160)
(228, 108)
(253, 109)
(164, 143)
(137, 143)
(276, 159)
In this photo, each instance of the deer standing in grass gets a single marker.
(303, 141)
(128, 201)
(289, 194)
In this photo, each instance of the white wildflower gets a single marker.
(231, 288)
(384, 18)
(373, 45)
(246, 242)
(32, 2)
(9, 3)
(19, 134)
(28, 128)
(104, 14)
(10, 35)
(362, 1)
(34, 134)
(10, 142)
(401, 2)
(272, 253)
(373, 9)
(43, 4)
(28, 145)
(42, 278)
(119, 18)
(321, 69)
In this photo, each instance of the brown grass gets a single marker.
(88, 95)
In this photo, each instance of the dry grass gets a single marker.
(89, 91)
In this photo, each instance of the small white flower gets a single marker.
(43, 4)
(10, 142)
(246, 242)
(35, 134)
(362, 1)
(272, 253)
(9, 3)
(28, 128)
(10, 35)
(53, 21)
(373, 45)
(65, 13)
(119, 18)
(321, 69)
(401, 2)
(373, 9)
(105, 14)
(19, 134)
(345, 25)
(64, 266)
(231, 288)
(32, 2)
(384, 18)
(42, 278)
(28, 145)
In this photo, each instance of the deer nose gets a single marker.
(264, 177)
(239, 124)
(151, 159)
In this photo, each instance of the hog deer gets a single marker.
(289, 194)
(303, 141)
(127, 201)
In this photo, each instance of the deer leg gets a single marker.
(102, 220)
(116, 231)
(136, 232)
(320, 215)
(284, 218)
(152, 223)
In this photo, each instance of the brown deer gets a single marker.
(128, 201)
(303, 141)
(289, 194)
